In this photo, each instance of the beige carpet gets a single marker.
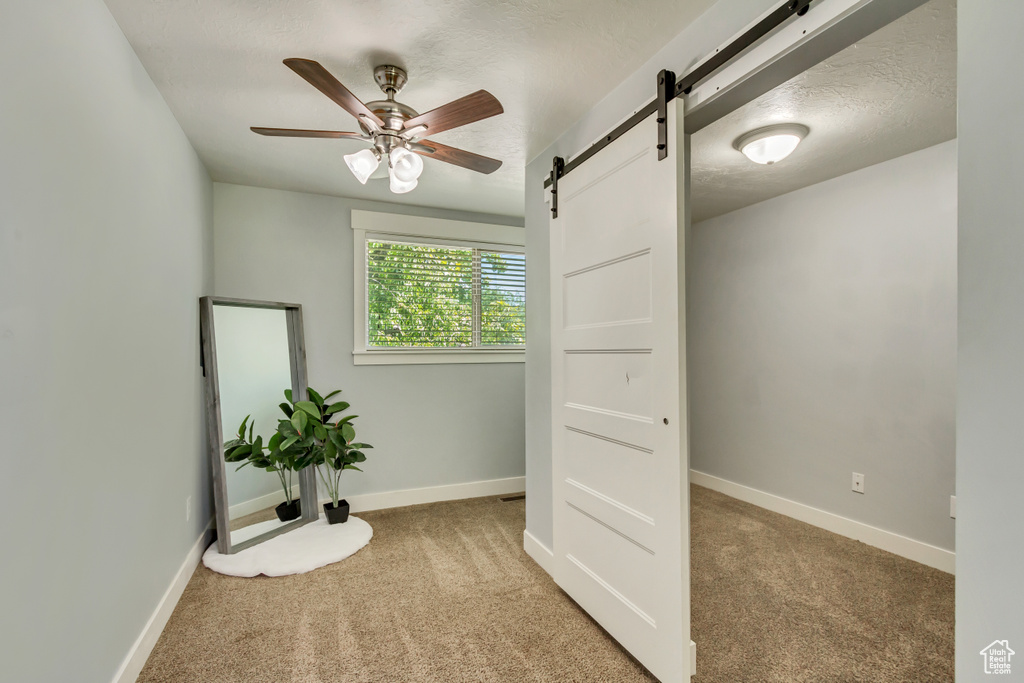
(444, 592)
(774, 599)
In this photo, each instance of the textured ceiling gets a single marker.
(888, 95)
(218, 65)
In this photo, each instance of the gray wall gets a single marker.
(105, 247)
(990, 381)
(822, 329)
(717, 25)
(430, 424)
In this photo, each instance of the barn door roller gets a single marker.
(557, 168)
(666, 93)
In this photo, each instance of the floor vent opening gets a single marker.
(518, 496)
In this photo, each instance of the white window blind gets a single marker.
(445, 296)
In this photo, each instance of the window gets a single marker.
(434, 291)
(433, 296)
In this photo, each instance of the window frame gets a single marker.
(373, 225)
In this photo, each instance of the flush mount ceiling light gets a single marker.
(394, 130)
(771, 143)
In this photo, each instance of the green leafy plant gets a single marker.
(317, 433)
(273, 458)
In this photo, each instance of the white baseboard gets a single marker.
(132, 665)
(540, 553)
(364, 502)
(939, 558)
(693, 658)
(269, 500)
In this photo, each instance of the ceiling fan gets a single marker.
(395, 130)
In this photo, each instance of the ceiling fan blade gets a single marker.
(459, 157)
(321, 79)
(479, 105)
(296, 133)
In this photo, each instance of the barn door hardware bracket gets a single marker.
(557, 171)
(666, 93)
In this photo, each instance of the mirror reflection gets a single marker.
(254, 370)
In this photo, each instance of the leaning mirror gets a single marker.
(253, 352)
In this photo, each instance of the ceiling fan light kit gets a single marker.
(401, 187)
(405, 166)
(772, 143)
(362, 164)
(395, 130)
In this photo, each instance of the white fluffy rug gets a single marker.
(296, 552)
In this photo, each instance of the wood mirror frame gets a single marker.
(297, 353)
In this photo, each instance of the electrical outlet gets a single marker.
(952, 507)
(858, 482)
(188, 509)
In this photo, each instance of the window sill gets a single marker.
(439, 357)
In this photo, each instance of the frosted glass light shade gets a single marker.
(362, 164)
(772, 143)
(406, 166)
(399, 187)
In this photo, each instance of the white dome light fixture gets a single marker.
(772, 143)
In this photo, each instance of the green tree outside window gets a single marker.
(421, 295)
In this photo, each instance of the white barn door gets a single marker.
(619, 432)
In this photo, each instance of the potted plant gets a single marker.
(250, 451)
(325, 438)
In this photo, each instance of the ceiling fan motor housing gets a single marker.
(394, 114)
(390, 78)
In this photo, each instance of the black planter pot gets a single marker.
(286, 512)
(336, 515)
